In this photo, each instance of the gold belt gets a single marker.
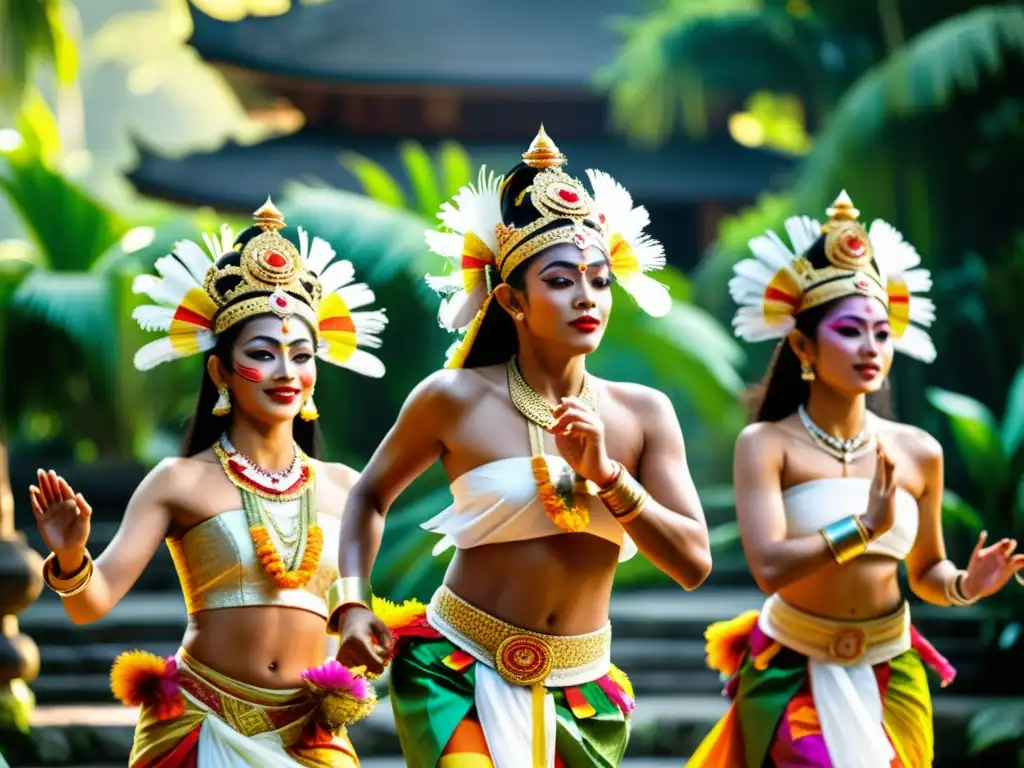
(839, 642)
(520, 656)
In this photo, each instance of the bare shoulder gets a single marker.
(649, 405)
(910, 441)
(454, 388)
(178, 473)
(340, 477)
(762, 442)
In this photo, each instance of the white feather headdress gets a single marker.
(778, 283)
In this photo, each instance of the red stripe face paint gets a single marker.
(249, 374)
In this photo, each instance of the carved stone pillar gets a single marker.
(20, 584)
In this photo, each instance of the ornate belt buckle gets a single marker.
(523, 659)
(848, 645)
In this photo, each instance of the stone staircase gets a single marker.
(658, 641)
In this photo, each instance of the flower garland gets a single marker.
(572, 518)
(274, 565)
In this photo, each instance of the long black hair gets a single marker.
(204, 428)
(782, 390)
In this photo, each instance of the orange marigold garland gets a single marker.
(139, 678)
(570, 518)
(274, 565)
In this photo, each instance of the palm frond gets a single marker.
(670, 57)
(923, 76)
(77, 303)
(84, 230)
(32, 33)
(422, 178)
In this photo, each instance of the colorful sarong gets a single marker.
(203, 719)
(869, 704)
(453, 707)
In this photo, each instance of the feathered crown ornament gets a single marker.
(197, 299)
(494, 226)
(772, 288)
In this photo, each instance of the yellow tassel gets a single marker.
(309, 411)
(540, 752)
(459, 358)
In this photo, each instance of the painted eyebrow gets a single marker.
(570, 265)
(275, 342)
(858, 320)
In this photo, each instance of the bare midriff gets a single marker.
(558, 585)
(266, 646)
(865, 588)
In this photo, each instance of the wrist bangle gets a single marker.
(846, 538)
(346, 592)
(625, 498)
(71, 585)
(954, 593)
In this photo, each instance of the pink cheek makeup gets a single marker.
(306, 379)
(249, 374)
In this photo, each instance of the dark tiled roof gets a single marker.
(455, 42)
(239, 178)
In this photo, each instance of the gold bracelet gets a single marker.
(846, 539)
(346, 592)
(72, 585)
(625, 498)
(953, 592)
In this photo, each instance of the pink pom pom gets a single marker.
(335, 677)
(930, 656)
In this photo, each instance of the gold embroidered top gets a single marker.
(218, 567)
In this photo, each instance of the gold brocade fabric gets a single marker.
(290, 715)
(218, 567)
(520, 656)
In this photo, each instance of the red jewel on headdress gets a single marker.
(276, 260)
(579, 239)
(860, 282)
(281, 301)
(601, 218)
(855, 245)
(568, 195)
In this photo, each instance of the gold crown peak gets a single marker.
(268, 217)
(843, 209)
(543, 153)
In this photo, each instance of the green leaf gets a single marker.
(76, 303)
(956, 511)
(977, 437)
(376, 181)
(1012, 433)
(38, 128)
(422, 179)
(995, 725)
(920, 78)
(85, 228)
(456, 169)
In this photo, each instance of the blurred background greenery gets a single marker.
(129, 124)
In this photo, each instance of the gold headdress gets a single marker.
(498, 224)
(197, 299)
(776, 285)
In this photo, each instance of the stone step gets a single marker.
(664, 727)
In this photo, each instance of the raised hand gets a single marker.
(990, 567)
(881, 514)
(366, 641)
(579, 438)
(63, 518)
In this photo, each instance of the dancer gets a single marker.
(246, 511)
(830, 498)
(554, 475)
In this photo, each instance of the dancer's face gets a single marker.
(567, 297)
(273, 368)
(853, 350)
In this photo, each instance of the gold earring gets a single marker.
(309, 411)
(806, 371)
(223, 405)
(519, 317)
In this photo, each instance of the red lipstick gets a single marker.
(868, 371)
(283, 395)
(586, 324)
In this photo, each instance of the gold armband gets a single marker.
(954, 595)
(625, 498)
(345, 593)
(846, 538)
(72, 585)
